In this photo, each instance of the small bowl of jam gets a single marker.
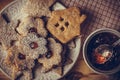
(98, 62)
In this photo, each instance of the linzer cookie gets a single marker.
(53, 57)
(65, 24)
(32, 46)
(31, 25)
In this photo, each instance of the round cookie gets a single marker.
(32, 25)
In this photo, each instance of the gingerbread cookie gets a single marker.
(53, 57)
(30, 25)
(32, 46)
(65, 24)
(37, 8)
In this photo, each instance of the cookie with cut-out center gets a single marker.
(32, 45)
(53, 57)
(65, 24)
(32, 25)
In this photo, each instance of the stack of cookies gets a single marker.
(41, 38)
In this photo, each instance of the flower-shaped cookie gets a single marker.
(53, 57)
(32, 25)
(32, 46)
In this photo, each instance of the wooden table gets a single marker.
(84, 69)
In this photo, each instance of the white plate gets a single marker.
(13, 12)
